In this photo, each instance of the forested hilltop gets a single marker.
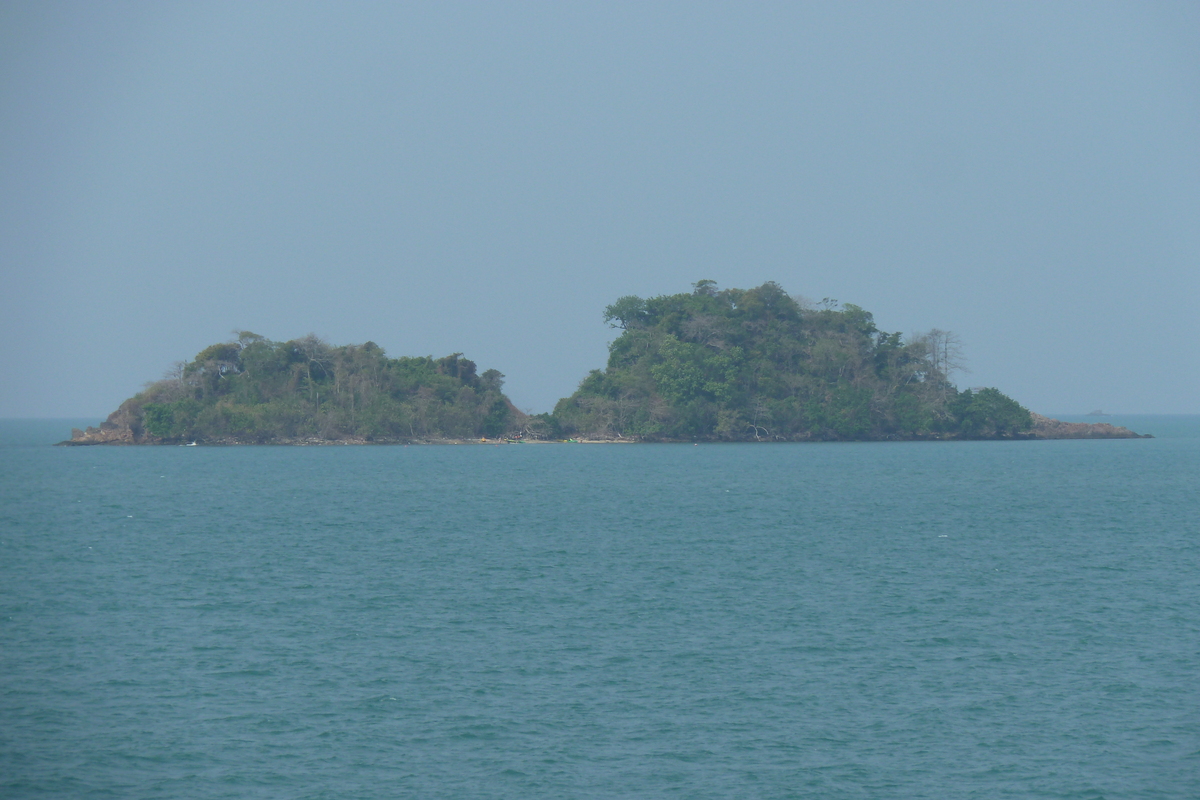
(755, 364)
(254, 390)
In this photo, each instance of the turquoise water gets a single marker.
(974, 620)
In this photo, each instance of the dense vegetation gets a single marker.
(731, 364)
(256, 390)
(756, 364)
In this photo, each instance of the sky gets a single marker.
(487, 177)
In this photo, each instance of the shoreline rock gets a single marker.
(1047, 428)
(123, 427)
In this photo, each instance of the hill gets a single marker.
(254, 390)
(756, 364)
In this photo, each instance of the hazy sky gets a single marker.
(487, 177)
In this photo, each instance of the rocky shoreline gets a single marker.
(1047, 428)
(118, 430)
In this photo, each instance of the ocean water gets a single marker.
(893, 620)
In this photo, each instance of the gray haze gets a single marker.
(487, 177)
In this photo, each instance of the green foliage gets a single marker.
(176, 420)
(628, 312)
(497, 420)
(755, 364)
(989, 414)
(257, 390)
(158, 420)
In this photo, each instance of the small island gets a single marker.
(752, 365)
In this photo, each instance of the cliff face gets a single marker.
(123, 426)
(1046, 428)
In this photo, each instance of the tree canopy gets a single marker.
(257, 390)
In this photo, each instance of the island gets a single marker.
(733, 365)
(305, 391)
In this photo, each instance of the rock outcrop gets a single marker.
(123, 426)
(1046, 428)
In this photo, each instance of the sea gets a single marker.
(854, 620)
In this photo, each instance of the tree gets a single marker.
(945, 352)
(628, 312)
(492, 380)
(495, 423)
(316, 362)
(989, 413)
